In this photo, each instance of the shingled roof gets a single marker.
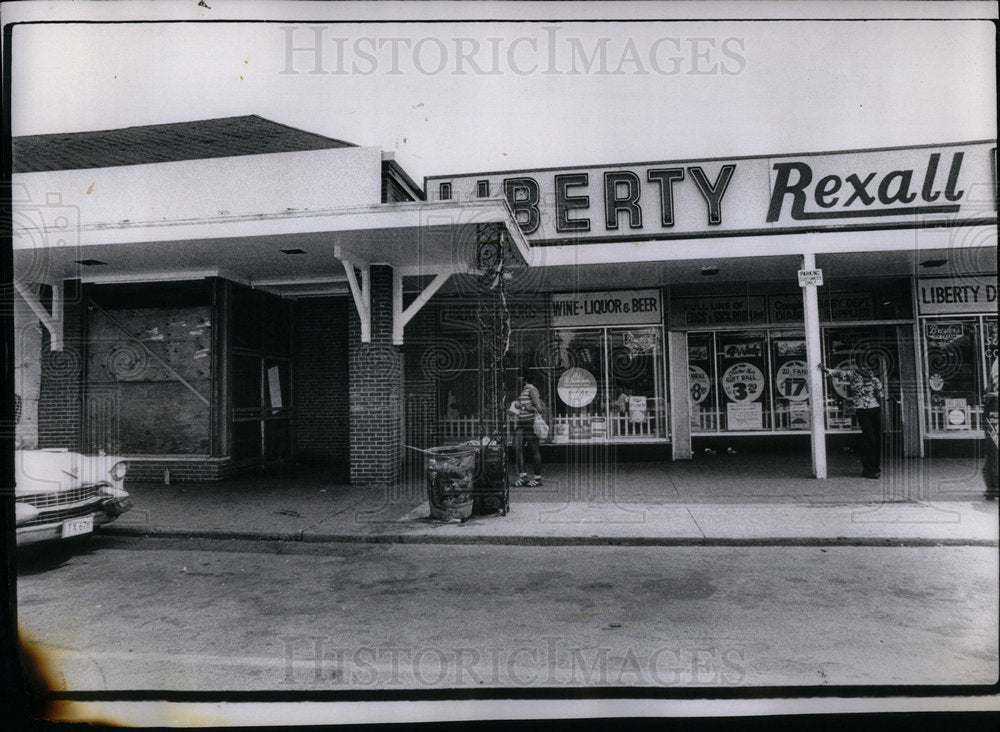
(164, 143)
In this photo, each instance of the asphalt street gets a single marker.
(119, 613)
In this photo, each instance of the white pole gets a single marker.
(813, 358)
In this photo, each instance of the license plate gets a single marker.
(76, 527)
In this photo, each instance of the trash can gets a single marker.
(450, 470)
(490, 487)
(990, 427)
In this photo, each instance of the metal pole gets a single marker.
(813, 358)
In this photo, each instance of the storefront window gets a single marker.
(958, 326)
(596, 358)
(729, 375)
(635, 383)
(751, 381)
(873, 346)
(791, 380)
(701, 381)
(608, 384)
(598, 383)
(953, 372)
(149, 369)
(741, 362)
(578, 383)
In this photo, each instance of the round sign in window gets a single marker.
(956, 416)
(577, 387)
(699, 384)
(792, 381)
(743, 382)
(935, 382)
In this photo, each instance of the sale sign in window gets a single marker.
(743, 377)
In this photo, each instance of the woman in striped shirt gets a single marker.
(523, 411)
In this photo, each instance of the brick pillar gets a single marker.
(60, 398)
(375, 378)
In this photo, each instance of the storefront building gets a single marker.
(288, 296)
(207, 297)
(686, 315)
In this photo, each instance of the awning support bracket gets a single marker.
(362, 297)
(53, 321)
(401, 316)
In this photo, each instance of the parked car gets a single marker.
(61, 494)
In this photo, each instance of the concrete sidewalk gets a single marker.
(720, 500)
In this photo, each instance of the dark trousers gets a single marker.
(870, 421)
(525, 434)
(990, 476)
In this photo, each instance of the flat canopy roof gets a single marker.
(709, 270)
(294, 248)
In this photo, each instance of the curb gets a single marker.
(431, 539)
(195, 534)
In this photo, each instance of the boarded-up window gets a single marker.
(149, 370)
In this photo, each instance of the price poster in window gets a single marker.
(577, 387)
(744, 416)
(637, 409)
(798, 415)
(957, 413)
(743, 379)
(700, 369)
(743, 367)
(791, 373)
(743, 382)
(699, 384)
(791, 381)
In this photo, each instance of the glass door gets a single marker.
(875, 346)
(261, 376)
(635, 386)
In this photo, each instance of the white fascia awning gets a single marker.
(415, 237)
(275, 251)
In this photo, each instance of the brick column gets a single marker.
(375, 378)
(60, 399)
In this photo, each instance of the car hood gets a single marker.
(46, 471)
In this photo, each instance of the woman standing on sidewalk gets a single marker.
(523, 412)
(865, 391)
